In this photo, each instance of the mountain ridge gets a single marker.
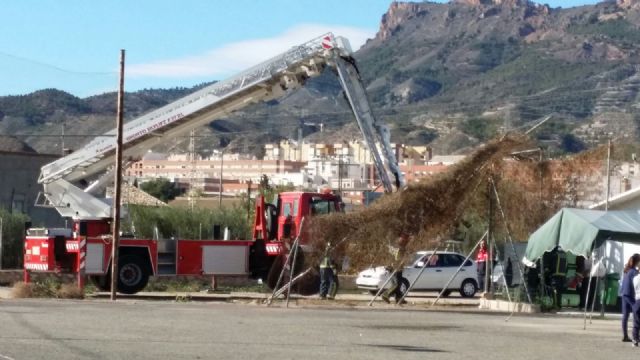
(451, 75)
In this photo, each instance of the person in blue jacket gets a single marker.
(628, 293)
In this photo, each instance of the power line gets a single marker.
(55, 67)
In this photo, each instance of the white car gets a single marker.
(435, 276)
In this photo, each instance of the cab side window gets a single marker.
(286, 209)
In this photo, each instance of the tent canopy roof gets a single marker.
(578, 231)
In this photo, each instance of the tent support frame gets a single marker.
(513, 248)
(586, 301)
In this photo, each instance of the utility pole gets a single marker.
(489, 262)
(62, 141)
(220, 192)
(249, 199)
(540, 173)
(192, 172)
(118, 181)
(606, 208)
(606, 201)
(340, 174)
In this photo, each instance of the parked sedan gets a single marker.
(441, 268)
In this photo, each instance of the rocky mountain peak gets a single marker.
(628, 4)
(398, 13)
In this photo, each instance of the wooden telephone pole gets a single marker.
(117, 183)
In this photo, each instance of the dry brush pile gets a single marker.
(425, 210)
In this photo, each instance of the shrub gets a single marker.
(185, 223)
(13, 230)
(49, 288)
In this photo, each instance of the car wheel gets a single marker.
(373, 292)
(446, 293)
(468, 288)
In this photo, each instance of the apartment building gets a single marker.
(229, 167)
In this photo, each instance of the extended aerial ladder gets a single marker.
(65, 180)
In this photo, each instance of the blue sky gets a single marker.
(74, 45)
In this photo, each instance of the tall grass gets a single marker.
(185, 223)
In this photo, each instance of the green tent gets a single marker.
(579, 231)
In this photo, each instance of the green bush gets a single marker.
(12, 239)
(480, 128)
(162, 189)
(185, 223)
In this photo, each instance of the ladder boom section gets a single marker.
(261, 82)
(375, 133)
(265, 81)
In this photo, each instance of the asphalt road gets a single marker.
(57, 329)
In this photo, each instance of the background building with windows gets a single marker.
(19, 188)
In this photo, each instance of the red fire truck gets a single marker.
(86, 248)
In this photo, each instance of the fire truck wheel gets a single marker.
(132, 274)
(102, 282)
(307, 285)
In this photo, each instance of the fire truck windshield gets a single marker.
(321, 206)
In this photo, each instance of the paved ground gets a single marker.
(56, 329)
(414, 298)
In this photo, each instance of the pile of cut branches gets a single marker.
(425, 210)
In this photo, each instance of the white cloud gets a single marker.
(234, 57)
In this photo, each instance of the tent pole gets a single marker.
(488, 288)
(506, 286)
(286, 263)
(293, 269)
(586, 301)
(424, 266)
(459, 268)
(604, 262)
(284, 267)
(382, 287)
(284, 288)
(593, 304)
(513, 248)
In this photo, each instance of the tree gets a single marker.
(162, 189)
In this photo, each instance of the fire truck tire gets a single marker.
(132, 274)
(310, 283)
(102, 282)
(307, 285)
